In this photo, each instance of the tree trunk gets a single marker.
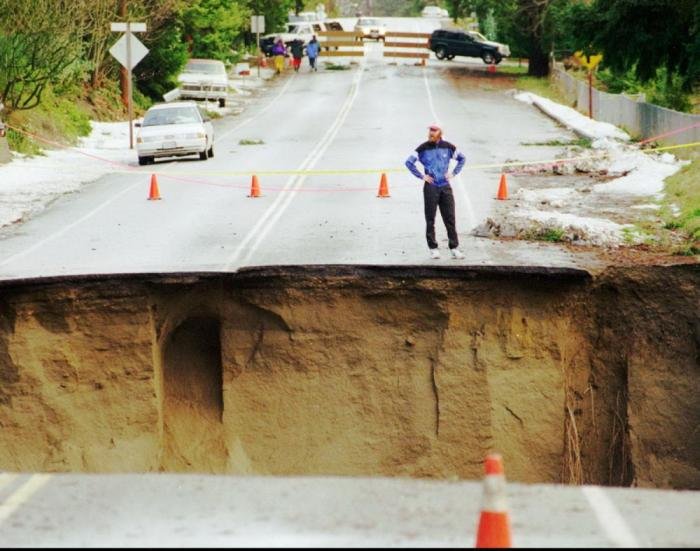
(539, 62)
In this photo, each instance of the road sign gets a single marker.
(257, 23)
(590, 62)
(133, 27)
(119, 51)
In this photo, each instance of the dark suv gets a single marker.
(449, 43)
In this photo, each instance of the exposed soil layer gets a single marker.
(357, 371)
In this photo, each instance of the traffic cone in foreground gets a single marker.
(383, 187)
(154, 194)
(502, 189)
(494, 524)
(254, 187)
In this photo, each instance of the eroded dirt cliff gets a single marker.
(357, 371)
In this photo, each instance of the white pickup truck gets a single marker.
(299, 30)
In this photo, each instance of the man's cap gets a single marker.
(435, 127)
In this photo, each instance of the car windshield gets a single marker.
(477, 36)
(204, 67)
(365, 22)
(171, 115)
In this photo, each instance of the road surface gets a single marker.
(214, 511)
(331, 134)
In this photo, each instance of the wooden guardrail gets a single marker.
(418, 45)
(340, 44)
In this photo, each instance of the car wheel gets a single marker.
(143, 161)
(203, 155)
(211, 151)
(222, 102)
(498, 59)
(451, 57)
(488, 58)
(440, 52)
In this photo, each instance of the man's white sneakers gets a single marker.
(434, 253)
(456, 253)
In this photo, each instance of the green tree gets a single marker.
(276, 12)
(212, 27)
(157, 72)
(40, 47)
(647, 35)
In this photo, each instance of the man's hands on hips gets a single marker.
(431, 180)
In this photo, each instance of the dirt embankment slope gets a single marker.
(357, 371)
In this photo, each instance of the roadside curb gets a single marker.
(551, 115)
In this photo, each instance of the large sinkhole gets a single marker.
(357, 370)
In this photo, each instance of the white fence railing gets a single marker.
(633, 115)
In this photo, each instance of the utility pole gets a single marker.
(123, 71)
(129, 51)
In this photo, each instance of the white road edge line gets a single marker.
(470, 210)
(285, 197)
(22, 494)
(68, 227)
(609, 518)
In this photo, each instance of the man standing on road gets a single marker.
(435, 156)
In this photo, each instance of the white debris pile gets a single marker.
(28, 185)
(556, 213)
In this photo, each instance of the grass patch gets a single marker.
(57, 119)
(251, 142)
(542, 87)
(683, 190)
(335, 66)
(553, 235)
(512, 69)
(580, 142)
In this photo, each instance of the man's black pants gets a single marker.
(434, 197)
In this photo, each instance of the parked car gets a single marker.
(450, 43)
(174, 130)
(369, 27)
(204, 79)
(434, 11)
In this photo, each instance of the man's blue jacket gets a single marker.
(435, 158)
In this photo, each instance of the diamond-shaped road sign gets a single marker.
(138, 51)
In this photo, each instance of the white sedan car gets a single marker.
(204, 79)
(370, 27)
(174, 130)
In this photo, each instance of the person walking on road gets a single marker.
(435, 156)
(312, 49)
(279, 50)
(297, 47)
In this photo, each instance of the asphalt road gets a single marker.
(368, 118)
(216, 511)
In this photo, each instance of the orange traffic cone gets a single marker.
(154, 194)
(494, 524)
(491, 69)
(254, 187)
(383, 187)
(502, 189)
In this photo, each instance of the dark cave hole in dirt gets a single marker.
(193, 395)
